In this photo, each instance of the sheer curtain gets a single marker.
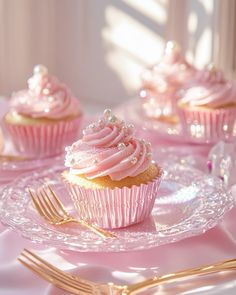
(100, 47)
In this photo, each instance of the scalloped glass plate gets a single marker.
(132, 112)
(10, 169)
(189, 203)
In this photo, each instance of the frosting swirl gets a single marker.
(210, 88)
(108, 148)
(172, 71)
(45, 97)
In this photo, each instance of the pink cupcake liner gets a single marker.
(46, 139)
(208, 125)
(114, 208)
(157, 105)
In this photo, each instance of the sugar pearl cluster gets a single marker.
(41, 83)
(110, 120)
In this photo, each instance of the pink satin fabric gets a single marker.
(124, 268)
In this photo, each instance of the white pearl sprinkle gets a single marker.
(100, 122)
(131, 126)
(40, 70)
(51, 98)
(84, 132)
(112, 119)
(172, 45)
(92, 126)
(107, 112)
(46, 91)
(134, 160)
(148, 144)
(121, 146)
(95, 161)
(211, 67)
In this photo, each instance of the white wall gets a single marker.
(99, 47)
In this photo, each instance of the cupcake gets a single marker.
(162, 82)
(207, 108)
(44, 118)
(112, 179)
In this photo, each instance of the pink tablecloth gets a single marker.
(215, 245)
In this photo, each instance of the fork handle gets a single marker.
(207, 269)
(101, 232)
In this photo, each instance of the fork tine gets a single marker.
(59, 203)
(37, 204)
(55, 273)
(60, 284)
(40, 206)
(49, 204)
(49, 211)
(98, 230)
(44, 207)
(34, 201)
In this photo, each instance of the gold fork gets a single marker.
(12, 158)
(53, 211)
(77, 285)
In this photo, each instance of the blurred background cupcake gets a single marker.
(163, 81)
(207, 108)
(111, 178)
(44, 118)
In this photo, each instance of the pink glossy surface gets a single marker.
(217, 244)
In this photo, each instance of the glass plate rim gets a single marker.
(211, 223)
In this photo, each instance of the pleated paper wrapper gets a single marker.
(208, 125)
(44, 140)
(114, 208)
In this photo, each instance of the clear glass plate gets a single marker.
(28, 164)
(10, 170)
(132, 112)
(189, 203)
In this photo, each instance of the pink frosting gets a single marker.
(173, 71)
(210, 88)
(45, 97)
(109, 148)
